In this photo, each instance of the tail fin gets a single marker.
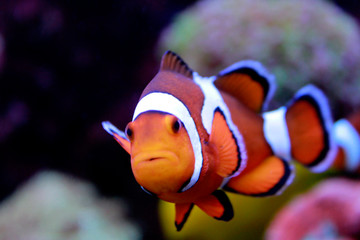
(354, 120)
(347, 137)
(309, 125)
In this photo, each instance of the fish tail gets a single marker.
(301, 130)
(347, 137)
(354, 120)
(309, 124)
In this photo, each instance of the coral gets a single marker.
(328, 211)
(54, 206)
(299, 41)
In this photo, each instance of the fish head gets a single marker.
(162, 157)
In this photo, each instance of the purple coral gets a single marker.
(330, 211)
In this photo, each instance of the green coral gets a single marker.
(53, 206)
(299, 41)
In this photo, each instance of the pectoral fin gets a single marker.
(269, 178)
(216, 205)
(118, 135)
(226, 145)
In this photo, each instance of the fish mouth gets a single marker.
(156, 156)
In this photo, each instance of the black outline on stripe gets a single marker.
(236, 143)
(278, 186)
(148, 192)
(184, 185)
(187, 214)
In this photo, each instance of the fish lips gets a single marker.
(158, 172)
(154, 157)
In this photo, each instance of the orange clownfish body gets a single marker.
(192, 136)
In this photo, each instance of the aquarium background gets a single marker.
(66, 66)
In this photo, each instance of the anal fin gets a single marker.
(269, 178)
(216, 205)
(228, 150)
(182, 213)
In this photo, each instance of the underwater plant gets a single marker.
(299, 41)
(330, 210)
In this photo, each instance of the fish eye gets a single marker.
(129, 132)
(176, 125)
(173, 124)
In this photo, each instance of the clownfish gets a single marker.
(192, 137)
(346, 133)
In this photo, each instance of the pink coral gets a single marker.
(330, 211)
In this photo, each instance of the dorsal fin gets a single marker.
(172, 62)
(249, 82)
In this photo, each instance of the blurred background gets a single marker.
(65, 66)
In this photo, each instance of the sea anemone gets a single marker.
(299, 41)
